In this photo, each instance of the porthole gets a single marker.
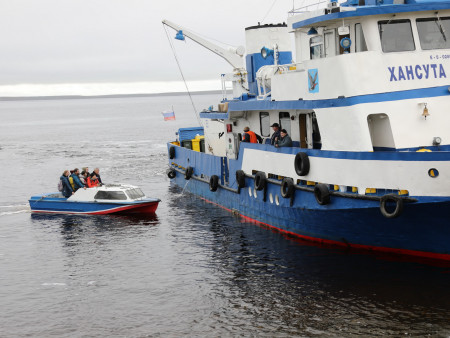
(271, 198)
(250, 191)
(277, 200)
(433, 173)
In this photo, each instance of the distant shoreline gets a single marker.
(112, 96)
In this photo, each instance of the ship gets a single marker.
(362, 89)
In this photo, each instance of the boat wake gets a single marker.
(13, 209)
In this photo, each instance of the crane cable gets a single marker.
(187, 89)
(182, 75)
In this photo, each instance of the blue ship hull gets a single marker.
(348, 222)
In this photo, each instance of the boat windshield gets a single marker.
(135, 193)
(110, 195)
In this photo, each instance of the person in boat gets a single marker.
(76, 180)
(97, 173)
(250, 136)
(285, 140)
(276, 133)
(92, 181)
(67, 189)
(83, 176)
(86, 169)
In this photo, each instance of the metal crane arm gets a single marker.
(234, 56)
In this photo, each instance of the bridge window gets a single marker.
(396, 36)
(360, 41)
(434, 33)
(316, 47)
(264, 121)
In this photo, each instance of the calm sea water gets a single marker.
(192, 269)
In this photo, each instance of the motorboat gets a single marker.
(106, 199)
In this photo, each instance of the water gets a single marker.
(192, 269)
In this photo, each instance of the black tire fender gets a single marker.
(287, 187)
(213, 182)
(322, 194)
(240, 178)
(301, 164)
(171, 173)
(188, 173)
(398, 205)
(260, 180)
(172, 153)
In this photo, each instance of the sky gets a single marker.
(80, 47)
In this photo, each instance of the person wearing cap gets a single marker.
(276, 133)
(250, 136)
(284, 141)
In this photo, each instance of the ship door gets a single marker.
(380, 132)
(303, 131)
(232, 145)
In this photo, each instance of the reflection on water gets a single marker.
(193, 269)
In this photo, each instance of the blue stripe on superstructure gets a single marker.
(214, 115)
(374, 10)
(339, 102)
(352, 155)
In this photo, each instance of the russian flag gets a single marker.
(168, 115)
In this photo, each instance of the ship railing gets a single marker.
(265, 74)
(306, 8)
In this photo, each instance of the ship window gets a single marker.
(396, 36)
(285, 122)
(264, 121)
(360, 41)
(434, 33)
(110, 195)
(316, 47)
(135, 193)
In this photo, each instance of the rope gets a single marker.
(187, 88)
(182, 75)
(273, 4)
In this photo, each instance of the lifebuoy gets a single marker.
(301, 164)
(287, 187)
(171, 173)
(172, 153)
(322, 194)
(240, 178)
(213, 182)
(260, 180)
(188, 173)
(398, 205)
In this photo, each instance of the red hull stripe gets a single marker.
(415, 253)
(144, 208)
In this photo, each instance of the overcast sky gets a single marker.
(78, 41)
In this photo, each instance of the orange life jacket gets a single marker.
(91, 182)
(252, 135)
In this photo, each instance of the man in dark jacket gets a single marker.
(276, 133)
(285, 140)
(67, 189)
(97, 173)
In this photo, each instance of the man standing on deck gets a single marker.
(250, 136)
(276, 133)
